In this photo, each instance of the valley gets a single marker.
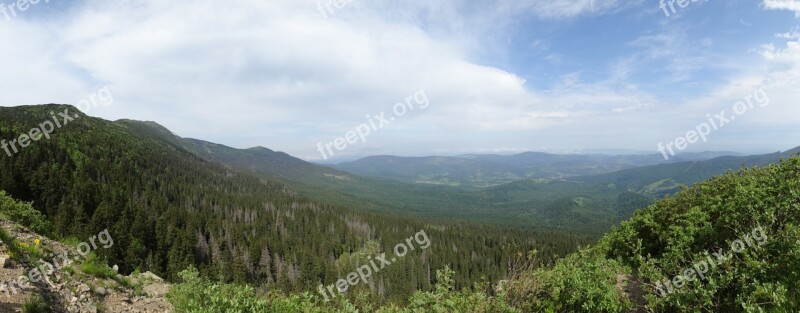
(263, 217)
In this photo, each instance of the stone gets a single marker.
(151, 276)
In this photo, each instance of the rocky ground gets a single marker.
(68, 288)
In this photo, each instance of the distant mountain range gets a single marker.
(584, 193)
(486, 170)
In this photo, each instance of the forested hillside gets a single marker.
(588, 205)
(727, 245)
(169, 208)
(731, 244)
(582, 208)
(664, 179)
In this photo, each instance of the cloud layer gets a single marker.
(287, 74)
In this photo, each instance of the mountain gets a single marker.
(540, 205)
(578, 204)
(725, 245)
(170, 207)
(663, 179)
(487, 170)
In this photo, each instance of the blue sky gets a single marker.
(501, 76)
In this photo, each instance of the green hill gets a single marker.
(663, 179)
(526, 204)
(168, 207)
(731, 244)
(581, 204)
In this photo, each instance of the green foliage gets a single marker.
(21, 250)
(24, 214)
(33, 252)
(196, 295)
(526, 203)
(582, 282)
(444, 298)
(168, 206)
(35, 304)
(675, 234)
(95, 267)
(667, 238)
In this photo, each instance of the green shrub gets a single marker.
(35, 304)
(582, 282)
(672, 235)
(196, 295)
(94, 267)
(25, 214)
(445, 299)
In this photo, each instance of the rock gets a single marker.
(151, 276)
(100, 291)
(115, 268)
(5, 261)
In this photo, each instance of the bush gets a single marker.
(672, 235)
(35, 305)
(25, 214)
(196, 295)
(94, 267)
(582, 282)
(445, 299)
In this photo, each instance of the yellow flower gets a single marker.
(37, 242)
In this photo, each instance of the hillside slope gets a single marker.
(582, 204)
(539, 205)
(168, 208)
(41, 275)
(663, 179)
(731, 244)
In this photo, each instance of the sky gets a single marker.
(328, 79)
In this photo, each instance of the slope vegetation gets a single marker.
(169, 208)
(731, 244)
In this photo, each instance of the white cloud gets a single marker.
(571, 8)
(784, 65)
(791, 5)
(277, 73)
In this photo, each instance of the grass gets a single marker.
(35, 304)
(94, 267)
(34, 251)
